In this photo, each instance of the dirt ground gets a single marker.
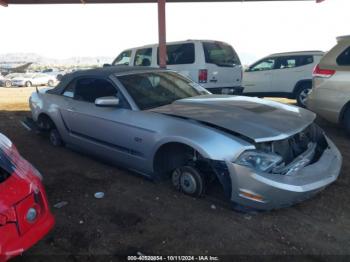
(138, 215)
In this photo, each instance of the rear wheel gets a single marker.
(302, 94)
(59, 77)
(55, 138)
(189, 180)
(28, 84)
(346, 121)
(46, 125)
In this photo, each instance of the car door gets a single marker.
(103, 131)
(257, 78)
(41, 80)
(286, 74)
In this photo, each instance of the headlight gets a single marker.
(31, 215)
(258, 160)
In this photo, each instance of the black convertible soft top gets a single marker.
(99, 72)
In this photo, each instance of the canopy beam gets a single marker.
(162, 33)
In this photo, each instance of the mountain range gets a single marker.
(37, 59)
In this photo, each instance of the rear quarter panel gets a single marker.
(331, 94)
(49, 104)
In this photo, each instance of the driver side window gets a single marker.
(89, 89)
(264, 65)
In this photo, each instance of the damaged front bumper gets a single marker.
(266, 191)
(13, 243)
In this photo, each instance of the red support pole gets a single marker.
(162, 33)
(3, 3)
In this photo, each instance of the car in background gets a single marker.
(6, 81)
(33, 79)
(286, 75)
(330, 95)
(25, 217)
(156, 122)
(214, 65)
(57, 73)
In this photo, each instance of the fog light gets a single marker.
(31, 214)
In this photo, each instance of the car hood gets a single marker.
(256, 119)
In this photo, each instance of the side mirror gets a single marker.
(106, 65)
(107, 101)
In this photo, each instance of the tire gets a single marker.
(302, 93)
(8, 83)
(44, 124)
(55, 138)
(189, 181)
(59, 77)
(50, 83)
(28, 84)
(346, 121)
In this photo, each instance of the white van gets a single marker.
(214, 65)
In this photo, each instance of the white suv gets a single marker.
(282, 75)
(213, 64)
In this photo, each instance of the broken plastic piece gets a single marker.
(60, 204)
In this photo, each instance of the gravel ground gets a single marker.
(138, 215)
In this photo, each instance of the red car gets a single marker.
(25, 217)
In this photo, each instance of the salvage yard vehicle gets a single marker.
(330, 95)
(29, 80)
(4, 82)
(156, 122)
(214, 65)
(7, 80)
(286, 75)
(25, 217)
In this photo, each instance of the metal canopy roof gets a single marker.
(124, 1)
(161, 12)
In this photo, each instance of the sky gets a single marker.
(253, 29)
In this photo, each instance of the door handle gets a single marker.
(213, 80)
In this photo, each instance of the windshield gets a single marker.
(154, 89)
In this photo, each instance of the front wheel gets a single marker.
(302, 95)
(28, 84)
(189, 180)
(8, 83)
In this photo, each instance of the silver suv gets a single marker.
(330, 95)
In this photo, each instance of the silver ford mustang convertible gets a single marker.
(266, 155)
